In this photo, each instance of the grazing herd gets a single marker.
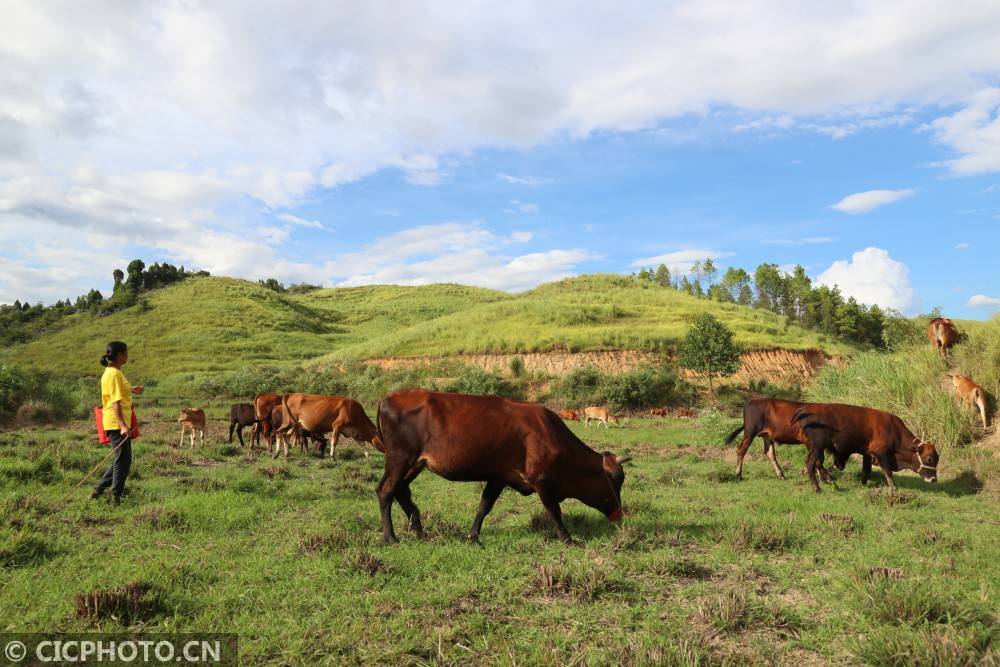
(524, 446)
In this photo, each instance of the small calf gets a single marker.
(194, 419)
(602, 415)
(971, 394)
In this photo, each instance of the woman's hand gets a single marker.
(124, 431)
(137, 389)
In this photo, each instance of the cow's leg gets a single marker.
(232, 425)
(239, 434)
(741, 451)
(405, 500)
(886, 463)
(278, 437)
(605, 423)
(811, 461)
(201, 437)
(334, 437)
(549, 500)
(772, 455)
(491, 492)
(386, 494)
(181, 443)
(866, 468)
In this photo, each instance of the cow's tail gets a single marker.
(378, 443)
(732, 436)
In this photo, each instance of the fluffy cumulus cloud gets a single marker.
(872, 277)
(862, 202)
(983, 301)
(452, 252)
(156, 123)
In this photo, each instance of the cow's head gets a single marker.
(611, 505)
(923, 459)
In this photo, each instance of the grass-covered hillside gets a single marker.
(211, 324)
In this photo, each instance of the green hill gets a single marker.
(211, 324)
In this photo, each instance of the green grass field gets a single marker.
(704, 570)
(205, 326)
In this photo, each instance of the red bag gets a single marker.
(99, 419)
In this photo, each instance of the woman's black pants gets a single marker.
(116, 473)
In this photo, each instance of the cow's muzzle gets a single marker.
(616, 514)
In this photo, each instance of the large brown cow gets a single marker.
(326, 415)
(875, 434)
(569, 415)
(971, 394)
(771, 419)
(466, 438)
(942, 334)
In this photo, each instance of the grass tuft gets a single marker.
(133, 602)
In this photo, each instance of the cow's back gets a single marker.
(466, 437)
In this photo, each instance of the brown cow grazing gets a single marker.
(240, 415)
(602, 415)
(771, 419)
(194, 419)
(569, 415)
(263, 406)
(465, 438)
(659, 412)
(942, 334)
(299, 436)
(971, 394)
(875, 434)
(326, 415)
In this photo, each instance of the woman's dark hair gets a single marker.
(115, 348)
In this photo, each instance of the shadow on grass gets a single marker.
(965, 483)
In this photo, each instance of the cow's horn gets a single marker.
(625, 459)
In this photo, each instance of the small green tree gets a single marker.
(663, 275)
(710, 349)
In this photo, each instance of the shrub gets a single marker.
(645, 386)
(517, 366)
(474, 380)
(34, 395)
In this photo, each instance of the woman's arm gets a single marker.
(122, 426)
(137, 389)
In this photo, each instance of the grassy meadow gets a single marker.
(704, 570)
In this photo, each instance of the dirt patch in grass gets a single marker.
(559, 581)
(334, 540)
(274, 472)
(841, 524)
(367, 563)
(885, 497)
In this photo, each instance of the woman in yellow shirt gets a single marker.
(116, 403)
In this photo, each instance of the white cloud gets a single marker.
(862, 202)
(521, 237)
(962, 246)
(680, 262)
(523, 180)
(523, 207)
(872, 277)
(983, 301)
(451, 252)
(807, 240)
(301, 222)
(974, 133)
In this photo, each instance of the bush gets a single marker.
(517, 366)
(474, 380)
(643, 387)
(38, 396)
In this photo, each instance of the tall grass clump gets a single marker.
(36, 394)
(911, 384)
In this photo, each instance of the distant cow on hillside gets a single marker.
(942, 334)
(971, 394)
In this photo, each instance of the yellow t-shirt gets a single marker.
(114, 387)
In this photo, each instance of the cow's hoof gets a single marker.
(390, 539)
(474, 540)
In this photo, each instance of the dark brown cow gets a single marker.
(263, 405)
(771, 419)
(241, 415)
(942, 334)
(322, 415)
(466, 438)
(569, 415)
(875, 434)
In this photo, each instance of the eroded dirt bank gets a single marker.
(786, 366)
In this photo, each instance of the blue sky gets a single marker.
(504, 146)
